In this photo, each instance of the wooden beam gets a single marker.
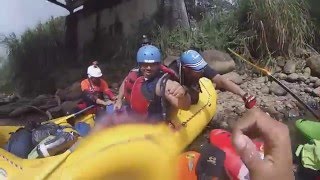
(61, 5)
(77, 3)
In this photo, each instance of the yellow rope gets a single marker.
(255, 66)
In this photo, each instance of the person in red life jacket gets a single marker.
(94, 88)
(191, 67)
(146, 89)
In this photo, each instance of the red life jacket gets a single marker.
(139, 103)
(134, 75)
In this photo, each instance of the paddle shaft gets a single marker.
(278, 82)
(83, 110)
(295, 96)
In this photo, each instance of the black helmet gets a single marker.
(145, 41)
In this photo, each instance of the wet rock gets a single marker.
(271, 110)
(261, 79)
(6, 99)
(56, 112)
(26, 109)
(317, 83)
(268, 84)
(281, 61)
(314, 64)
(302, 93)
(279, 116)
(234, 77)
(290, 67)
(308, 90)
(224, 125)
(282, 76)
(70, 93)
(170, 59)
(313, 79)
(301, 53)
(68, 107)
(265, 90)
(316, 92)
(307, 71)
(293, 113)
(307, 81)
(239, 110)
(293, 77)
(222, 62)
(277, 89)
(289, 105)
(277, 69)
(303, 78)
(244, 76)
(41, 99)
(8, 108)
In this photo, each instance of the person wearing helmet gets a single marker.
(147, 88)
(191, 67)
(94, 88)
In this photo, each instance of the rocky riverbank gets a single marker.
(299, 75)
(271, 97)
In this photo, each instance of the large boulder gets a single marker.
(307, 71)
(5, 110)
(317, 83)
(281, 61)
(313, 63)
(313, 79)
(282, 76)
(293, 77)
(316, 92)
(70, 93)
(220, 61)
(290, 67)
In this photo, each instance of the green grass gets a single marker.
(272, 28)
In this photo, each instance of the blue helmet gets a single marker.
(148, 54)
(193, 60)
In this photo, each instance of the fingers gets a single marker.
(247, 151)
(177, 91)
(275, 136)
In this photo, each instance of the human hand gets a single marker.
(277, 162)
(118, 105)
(175, 89)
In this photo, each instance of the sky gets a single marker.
(18, 15)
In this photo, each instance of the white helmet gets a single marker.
(94, 71)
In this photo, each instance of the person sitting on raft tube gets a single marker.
(94, 88)
(148, 87)
(191, 67)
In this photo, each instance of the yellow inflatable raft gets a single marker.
(130, 151)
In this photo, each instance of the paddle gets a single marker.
(266, 72)
(66, 118)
